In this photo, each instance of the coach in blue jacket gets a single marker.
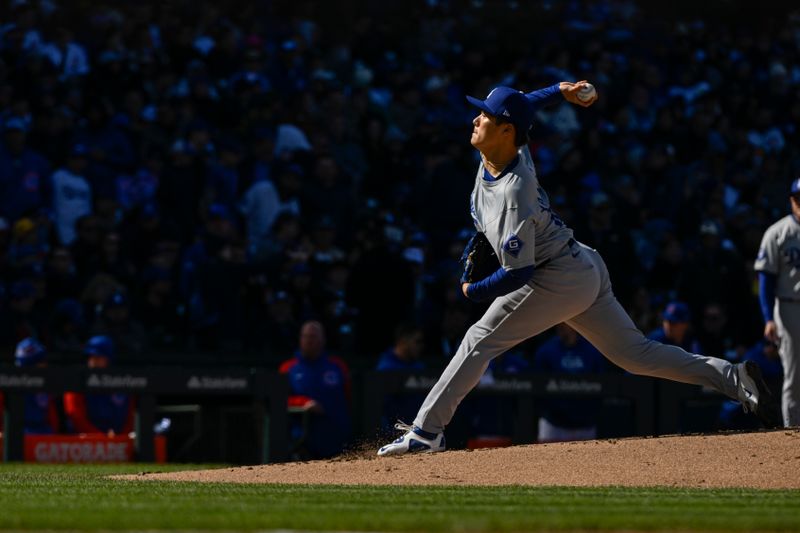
(319, 390)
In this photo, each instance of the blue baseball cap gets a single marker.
(99, 346)
(676, 312)
(507, 103)
(795, 187)
(29, 352)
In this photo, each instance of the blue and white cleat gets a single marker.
(414, 440)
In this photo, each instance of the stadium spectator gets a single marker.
(260, 206)
(109, 414)
(717, 336)
(675, 328)
(569, 418)
(62, 275)
(276, 335)
(406, 351)
(127, 334)
(641, 309)
(320, 393)
(403, 356)
(213, 272)
(491, 417)
(377, 252)
(716, 272)
(159, 309)
(22, 320)
(142, 230)
(456, 318)
(85, 248)
(68, 329)
(28, 246)
(24, 185)
(601, 232)
(114, 261)
(41, 410)
(72, 194)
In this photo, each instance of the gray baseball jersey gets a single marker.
(780, 255)
(571, 284)
(515, 215)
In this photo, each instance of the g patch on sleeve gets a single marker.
(513, 245)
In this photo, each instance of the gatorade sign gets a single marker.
(106, 451)
(85, 449)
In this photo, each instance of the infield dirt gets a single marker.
(763, 460)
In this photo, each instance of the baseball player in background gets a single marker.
(546, 277)
(778, 267)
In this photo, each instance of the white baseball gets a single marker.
(587, 92)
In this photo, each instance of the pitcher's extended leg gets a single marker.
(609, 328)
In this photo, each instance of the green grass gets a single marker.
(80, 497)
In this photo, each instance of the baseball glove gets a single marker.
(478, 259)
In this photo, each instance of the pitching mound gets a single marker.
(764, 460)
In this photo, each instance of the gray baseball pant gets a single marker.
(787, 318)
(573, 288)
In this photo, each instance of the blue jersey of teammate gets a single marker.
(110, 411)
(99, 413)
(40, 413)
(41, 416)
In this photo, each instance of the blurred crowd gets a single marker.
(195, 181)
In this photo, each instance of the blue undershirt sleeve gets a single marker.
(542, 97)
(766, 294)
(498, 284)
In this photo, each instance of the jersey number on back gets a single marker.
(544, 204)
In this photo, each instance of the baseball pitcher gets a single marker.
(544, 277)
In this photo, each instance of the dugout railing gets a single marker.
(267, 390)
(657, 407)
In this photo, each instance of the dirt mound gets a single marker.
(763, 460)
